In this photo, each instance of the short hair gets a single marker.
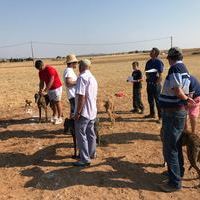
(85, 62)
(175, 54)
(156, 50)
(38, 64)
(135, 63)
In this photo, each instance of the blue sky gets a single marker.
(96, 21)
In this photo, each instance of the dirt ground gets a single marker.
(35, 159)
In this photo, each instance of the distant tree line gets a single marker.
(61, 57)
(136, 51)
(16, 60)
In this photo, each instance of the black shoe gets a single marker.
(76, 157)
(149, 116)
(165, 187)
(134, 111)
(81, 164)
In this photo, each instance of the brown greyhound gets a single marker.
(42, 103)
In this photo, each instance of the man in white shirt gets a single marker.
(70, 78)
(85, 113)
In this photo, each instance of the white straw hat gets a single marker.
(71, 58)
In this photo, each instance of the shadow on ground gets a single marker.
(39, 134)
(127, 119)
(124, 175)
(5, 123)
(127, 137)
(43, 157)
(12, 159)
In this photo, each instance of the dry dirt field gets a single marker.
(35, 159)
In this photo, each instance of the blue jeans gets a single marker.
(86, 138)
(173, 125)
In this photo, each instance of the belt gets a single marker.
(173, 109)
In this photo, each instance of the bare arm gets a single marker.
(69, 82)
(41, 85)
(49, 84)
(180, 94)
(80, 104)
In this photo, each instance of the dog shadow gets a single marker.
(128, 119)
(127, 137)
(122, 112)
(43, 157)
(124, 175)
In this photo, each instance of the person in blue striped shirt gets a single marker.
(173, 98)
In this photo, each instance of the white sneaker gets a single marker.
(58, 121)
(53, 119)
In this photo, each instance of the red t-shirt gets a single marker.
(46, 75)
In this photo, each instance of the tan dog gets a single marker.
(192, 143)
(28, 106)
(42, 103)
(110, 109)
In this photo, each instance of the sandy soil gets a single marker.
(35, 159)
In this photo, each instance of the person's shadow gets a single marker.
(38, 134)
(123, 174)
(5, 123)
(43, 157)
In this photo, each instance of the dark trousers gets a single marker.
(173, 125)
(137, 101)
(153, 92)
(72, 105)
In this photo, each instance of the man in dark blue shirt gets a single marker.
(154, 68)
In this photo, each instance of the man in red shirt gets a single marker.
(50, 82)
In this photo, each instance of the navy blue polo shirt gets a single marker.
(137, 75)
(194, 87)
(156, 66)
(177, 77)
